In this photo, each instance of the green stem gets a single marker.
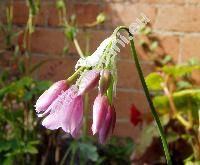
(78, 48)
(72, 77)
(147, 93)
(65, 156)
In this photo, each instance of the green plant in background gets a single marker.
(176, 96)
(179, 102)
(18, 137)
(22, 140)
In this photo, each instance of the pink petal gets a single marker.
(99, 112)
(50, 95)
(108, 126)
(77, 114)
(61, 110)
(89, 81)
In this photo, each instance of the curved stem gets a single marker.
(72, 77)
(78, 48)
(147, 93)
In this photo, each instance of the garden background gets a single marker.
(174, 29)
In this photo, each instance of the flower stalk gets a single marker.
(147, 93)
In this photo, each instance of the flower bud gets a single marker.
(101, 18)
(99, 112)
(108, 126)
(104, 81)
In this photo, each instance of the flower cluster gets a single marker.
(62, 104)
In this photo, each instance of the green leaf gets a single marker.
(70, 32)
(180, 70)
(89, 150)
(183, 85)
(154, 81)
(31, 149)
(5, 146)
(172, 137)
(154, 45)
(184, 100)
(8, 161)
(167, 59)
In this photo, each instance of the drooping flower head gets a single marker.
(62, 106)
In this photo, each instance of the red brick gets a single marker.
(190, 46)
(85, 13)
(168, 44)
(125, 99)
(48, 41)
(125, 14)
(21, 11)
(2, 12)
(164, 1)
(95, 39)
(126, 129)
(128, 76)
(56, 68)
(184, 19)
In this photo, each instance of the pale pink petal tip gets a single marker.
(45, 100)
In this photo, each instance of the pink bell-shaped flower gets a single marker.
(66, 112)
(45, 100)
(99, 112)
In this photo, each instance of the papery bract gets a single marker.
(108, 125)
(89, 81)
(45, 100)
(99, 112)
(95, 57)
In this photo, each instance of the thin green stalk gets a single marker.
(78, 48)
(65, 156)
(147, 93)
(72, 77)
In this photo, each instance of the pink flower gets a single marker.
(108, 126)
(65, 112)
(89, 81)
(50, 95)
(99, 112)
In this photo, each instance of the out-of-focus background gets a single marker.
(37, 46)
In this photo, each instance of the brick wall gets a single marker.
(175, 22)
